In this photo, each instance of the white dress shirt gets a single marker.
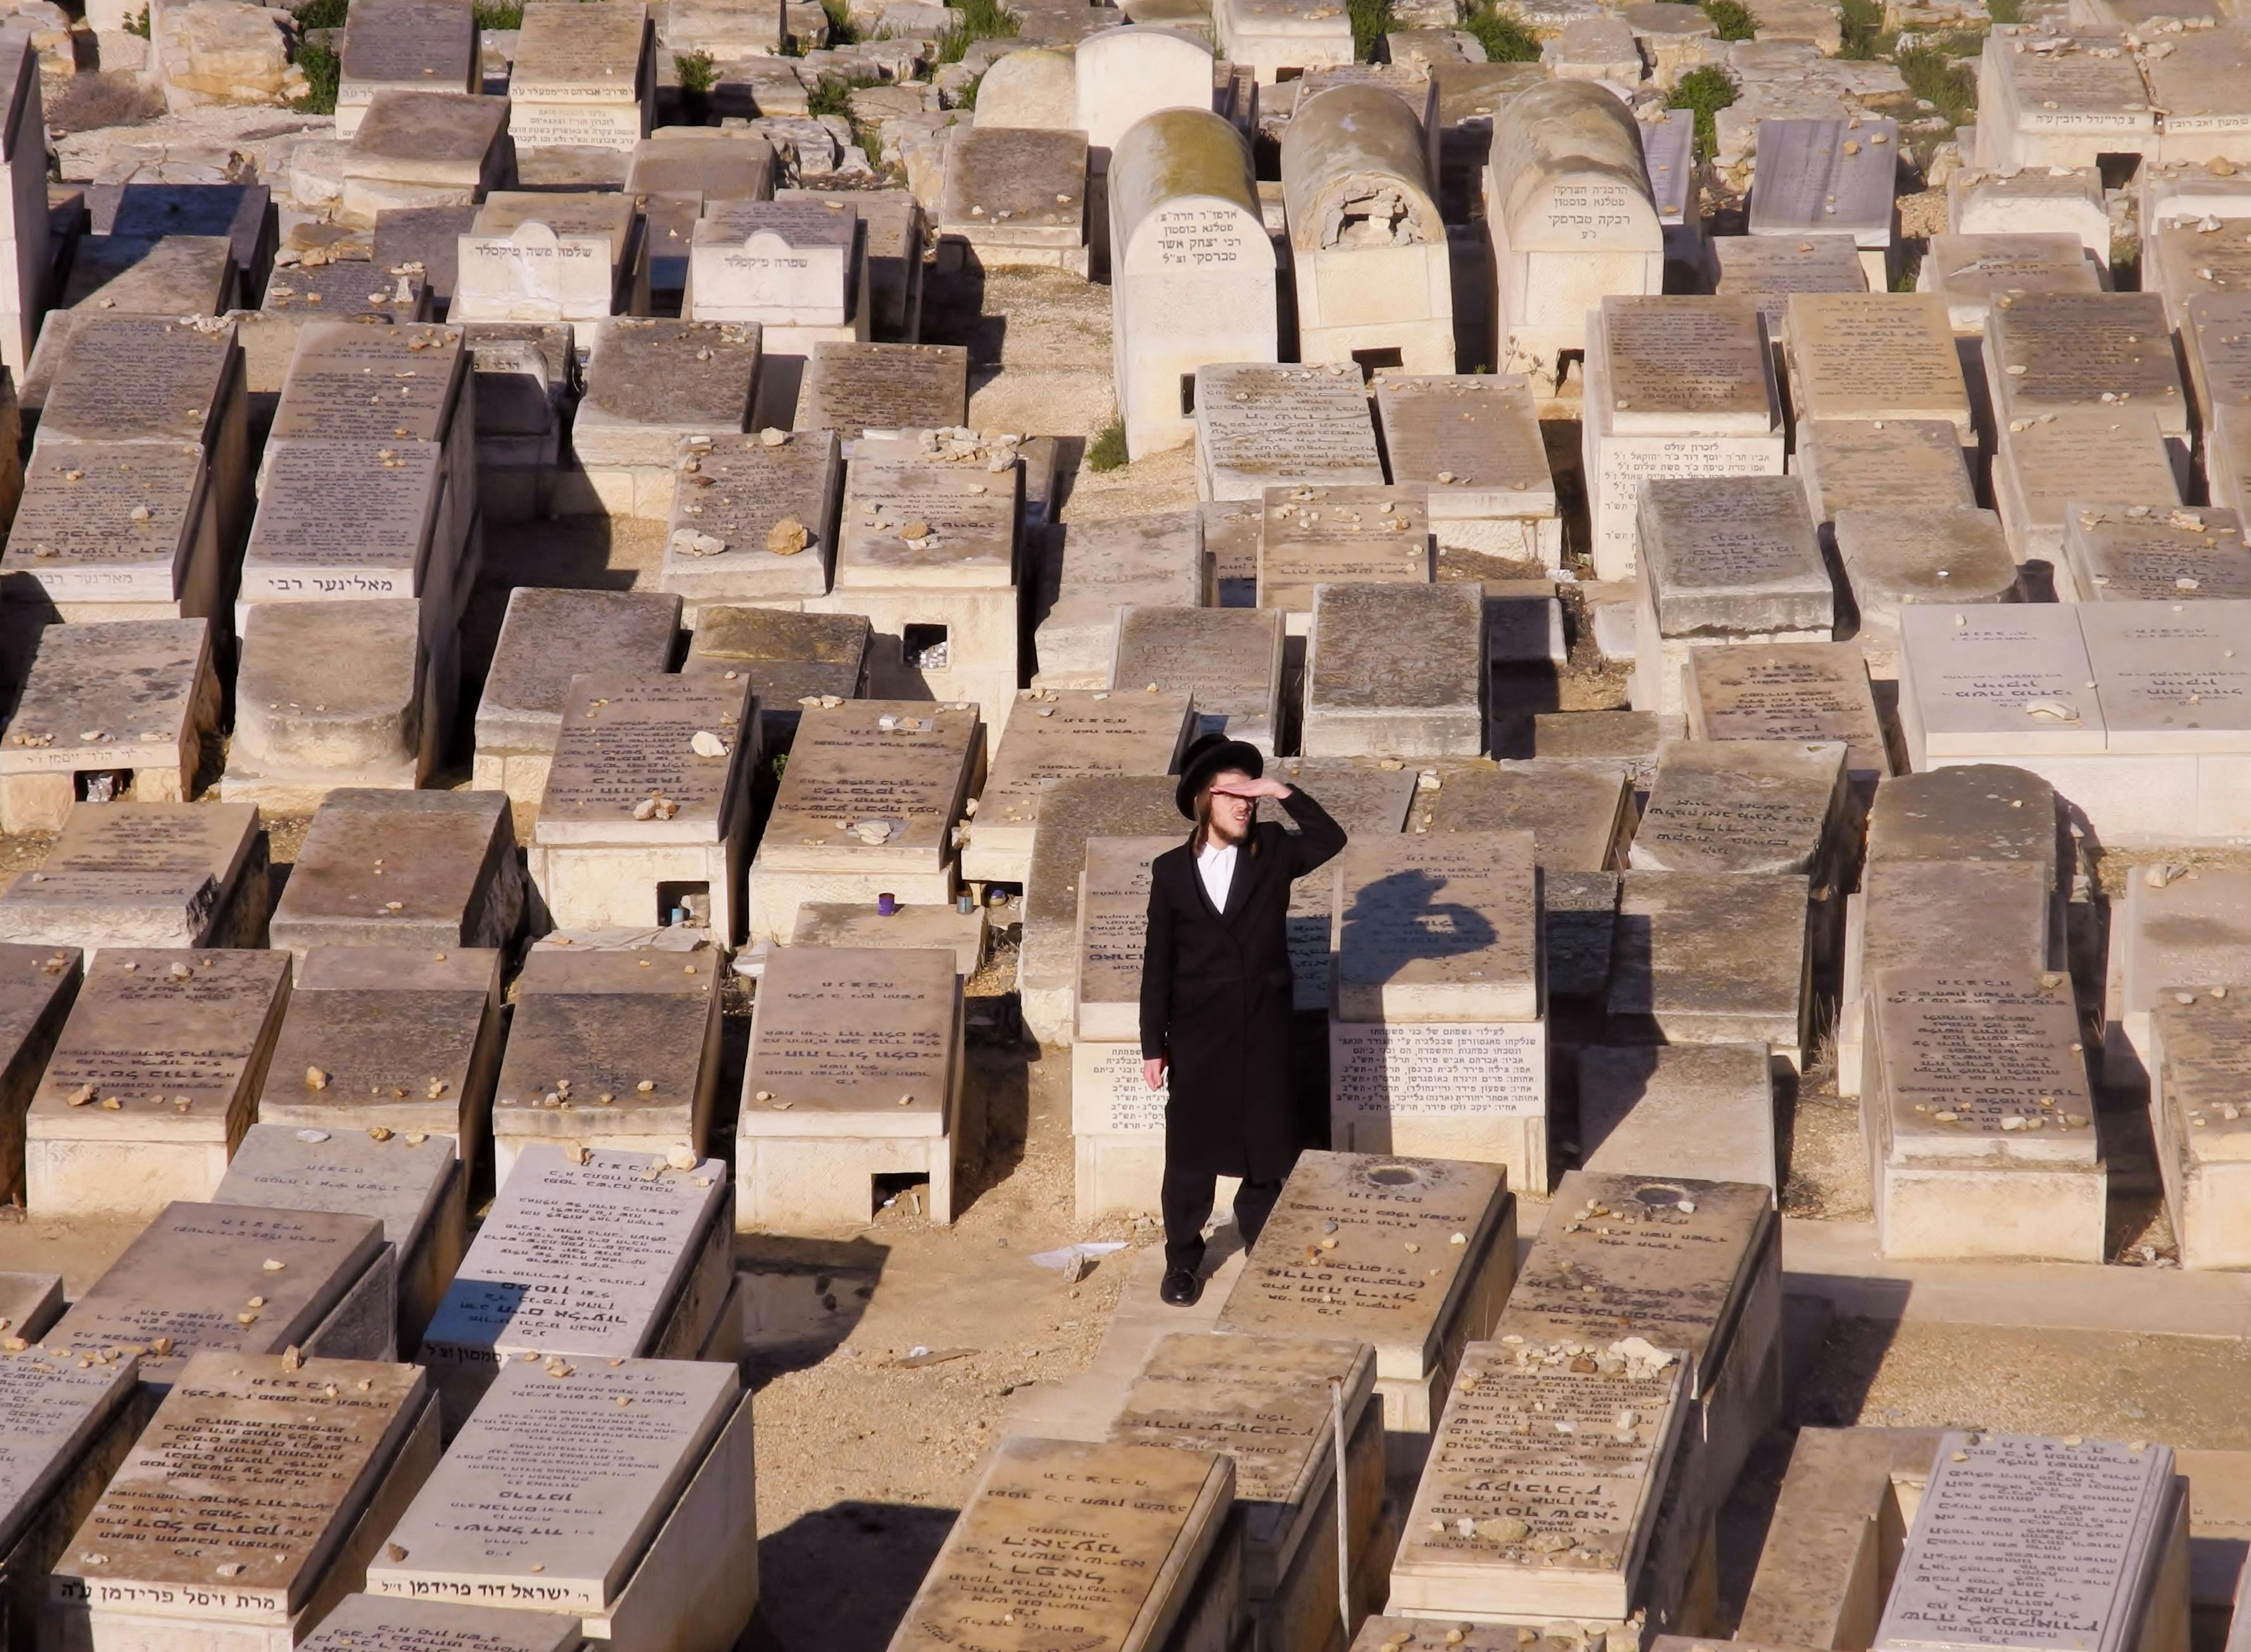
(1216, 867)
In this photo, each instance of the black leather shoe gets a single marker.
(1180, 1288)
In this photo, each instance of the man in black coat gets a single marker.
(1216, 995)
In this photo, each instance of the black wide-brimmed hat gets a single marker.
(1213, 754)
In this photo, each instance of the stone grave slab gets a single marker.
(969, 517)
(2006, 682)
(1227, 661)
(1575, 808)
(1893, 556)
(798, 268)
(866, 806)
(1156, 560)
(184, 1287)
(145, 874)
(349, 383)
(1970, 811)
(645, 815)
(623, 1493)
(420, 44)
(1474, 442)
(1316, 535)
(623, 1256)
(2102, 1562)
(854, 1072)
(105, 712)
(912, 928)
(1695, 364)
(1395, 669)
(1015, 197)
(2196, 1065)
(1707, 1110)
(116, 531)
(1503, 1477)
(1467, 1089)
(434, 869)
(543, 256)
(1440, 928)
(1159, 1569)
(2062, 101)
(652, 384)
(2117, 552)
(1109, 1097)
(1989, 917)
(853, 388)
(1807, 693)
(385, 1623)
(70, 1425)
(1747, 805)
(396, 1038)
(1834, 177)
(1052, 733)
(431, 152)
(2080, 352)
(153, 1080)
(693, 160)
(1881, 464)
(582, 78)
(892, 220)
(38, 987)
(2172, 934)
(305, 728)
(349, 288)
(1432, 1301)
(1975, 1111)
(791, 660)
(1072, 811)
(340, 520)
(753, 521)
(1767, 269)
(1260, 424)
(253, 1501)
(546, 638)
(412, 1182)
(1875, 356)
(1712, 958)
(1974, 274)
(2046, 462)
(1265, 1403)
(614, 1051)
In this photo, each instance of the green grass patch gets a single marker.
(1503, 35)
(832, 94)
(321, 68)
(1371, 21)
(321, 14)
(698, 74)
(2005, 10)
(1704, 91)
(967, 98)
(138, 23)
(1732, 20)
(841, 31)
(1942, 81)
(975, 20)
(1862, 26)
(1107, 450)
(500, 14)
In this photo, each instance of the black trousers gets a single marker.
(1188, 1197)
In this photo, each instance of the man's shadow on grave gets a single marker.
(1399, 920)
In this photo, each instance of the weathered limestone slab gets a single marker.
(1837, 176)
(423, 45)
(2080, 352)
(1073, 812)
(1976, 1112)
(1575, 807)
(2126, 552)
(798, 268)
(1311, 536)
(537, 256)
(1898, 555)
(413, 1183)
(1747, 805)
(855, 1071)
(1110, 1098)
(253, 1501)
(645, 812)
(352, 519)
(753, 521)
(1227, 661)
(2041, 464)
(1440, 928)
(965, 934)
(1875, 464)
(1712, 958)
(105, 712)
(2063, 100)
(1260, 426)
(1708, 1111)
(2195, 1050)
(71, 1426)
(1502, 1479)
(791, 660)
(657, 392)
(1015, 197)
(2172, 935)
(183, 1286)
(145, 874)
(1054, 734)
(1767, 269)
(623, 1256)
(384, 1623)
(425, 151)
(1265, 1403)
(1431, 1302)
(2007, 682)
(406, 1039)
(116, 531)
(435, 870)
(624, 1495)
(1807, 693)
(1395, 669)
(546, 638)
(2106, 1550)
(1977, 274)
(153, 1080)
(1473, 441)
(1875, 356)
(615, 1052)
(896, 774)
(1156, 560)
(853, 388)
(584, 78)
(1160, 1569)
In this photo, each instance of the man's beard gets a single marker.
(1219, 837)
